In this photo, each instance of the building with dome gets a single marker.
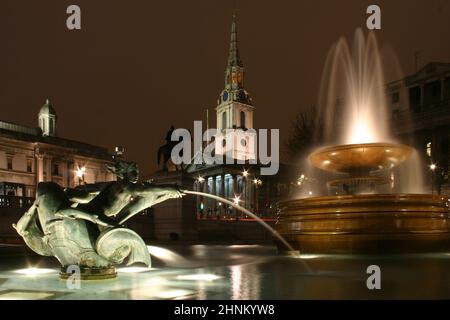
(29, 155)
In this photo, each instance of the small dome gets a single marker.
(47, 109)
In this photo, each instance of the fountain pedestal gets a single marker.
(90, 273)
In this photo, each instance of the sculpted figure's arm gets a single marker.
(24, 222)
(72, 213)
(147, 195)
(84, 193)
(31, 233)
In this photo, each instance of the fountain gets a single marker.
(83, 227)
(370, 205)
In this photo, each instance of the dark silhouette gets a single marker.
(166, 151)
(306, 132)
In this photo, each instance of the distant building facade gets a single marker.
(241, 182)
(420, 105)
(202, 218)
(31, 155)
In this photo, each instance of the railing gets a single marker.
(426, 109)
(15, 202)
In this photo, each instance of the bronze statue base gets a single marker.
(364, 224)
(87, 273)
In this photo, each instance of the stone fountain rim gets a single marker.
(349, 199)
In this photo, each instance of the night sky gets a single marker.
(137, 67)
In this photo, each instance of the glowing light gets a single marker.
(361, 131)
(34, 271)
(326, 162)
(166, 255)
(245, 173)
(198, 277)
(433, 167)
(308, 256)
(200, 179)
(80, 172)
(24, 295)
(170, 294)
(310, 193)
(133, 269)
(236, 199)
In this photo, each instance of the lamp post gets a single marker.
(201, 199)
(80, 174)
(433, 168)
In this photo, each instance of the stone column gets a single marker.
(40, 169)
(213, 202)
(65, 174)
(222, 193)
(422, 96)
(235, 191)
(197, 199)
(48, 169)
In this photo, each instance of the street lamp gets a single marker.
(433, 168)
(80, 174)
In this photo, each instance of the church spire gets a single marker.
(234, 73)
(233, 58)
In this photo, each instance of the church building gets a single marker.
(240, 182)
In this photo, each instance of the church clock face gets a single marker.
(225, 96)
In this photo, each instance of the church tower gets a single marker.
(234, 107)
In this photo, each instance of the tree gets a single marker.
(306, 132)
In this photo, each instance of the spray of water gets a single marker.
(250, 214)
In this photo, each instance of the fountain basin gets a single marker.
(360, 157)
(372, 223)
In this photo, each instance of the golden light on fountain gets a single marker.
(358, 210)
(362, 220)
(369, 156)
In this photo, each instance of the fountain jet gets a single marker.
(366, 210)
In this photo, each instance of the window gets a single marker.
(224, 120)
(436, 90)
(432, 92)
(447, 88)
(395, 97)
(242, 119)
(29, 165)
(428, 149)
(415, 97)
(55, 169)
(9, 163)
(50, 130)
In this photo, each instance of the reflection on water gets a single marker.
(238, 272)
(245, 286)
